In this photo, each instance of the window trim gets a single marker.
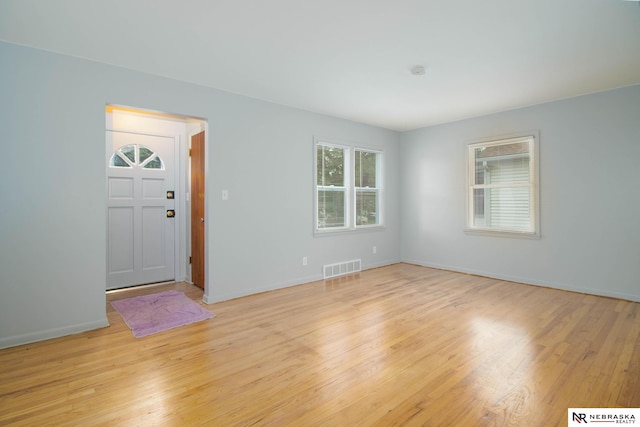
(532, 138)
(350, 188)
(346, 185)
(378, 189)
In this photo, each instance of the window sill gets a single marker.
(341, 231)
(503, 233)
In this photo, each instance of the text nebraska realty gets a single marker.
(611, 418)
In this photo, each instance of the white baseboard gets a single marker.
(210, 299)
(6, 342)
(529, 281)
(207, 298)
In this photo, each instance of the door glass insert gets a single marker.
(118, 162)
(136, 155)
(154, 163)
(145, 153)
(130, 152)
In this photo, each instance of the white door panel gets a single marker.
(153, 253)
(120, 239)
(141, 236)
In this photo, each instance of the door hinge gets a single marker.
(189, 260)
(189, 152)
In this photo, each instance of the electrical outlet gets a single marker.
(304, 260)
(374, 250)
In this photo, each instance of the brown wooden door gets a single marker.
(197, 209)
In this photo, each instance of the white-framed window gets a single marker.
(348, 187)
(502, 191)
(332, 186)
(368, 187)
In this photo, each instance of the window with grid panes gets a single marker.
(503, 187)
(348, 187)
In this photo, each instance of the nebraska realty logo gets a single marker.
(600, 416)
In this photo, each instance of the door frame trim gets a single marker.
(182, 180)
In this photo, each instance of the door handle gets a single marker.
(201, 219)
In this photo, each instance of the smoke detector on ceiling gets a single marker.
(418, 70)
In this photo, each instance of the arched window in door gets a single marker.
(136, 155)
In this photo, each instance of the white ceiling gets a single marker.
(352, 58)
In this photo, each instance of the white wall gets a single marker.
(52, 187)
(53, 183)
(590, 199)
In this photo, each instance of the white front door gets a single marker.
(141, 224)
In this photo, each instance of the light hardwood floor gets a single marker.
(398, 345)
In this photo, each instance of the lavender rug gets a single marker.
(148, 314)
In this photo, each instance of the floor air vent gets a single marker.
(341, 268)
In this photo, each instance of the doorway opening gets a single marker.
(155, 198)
